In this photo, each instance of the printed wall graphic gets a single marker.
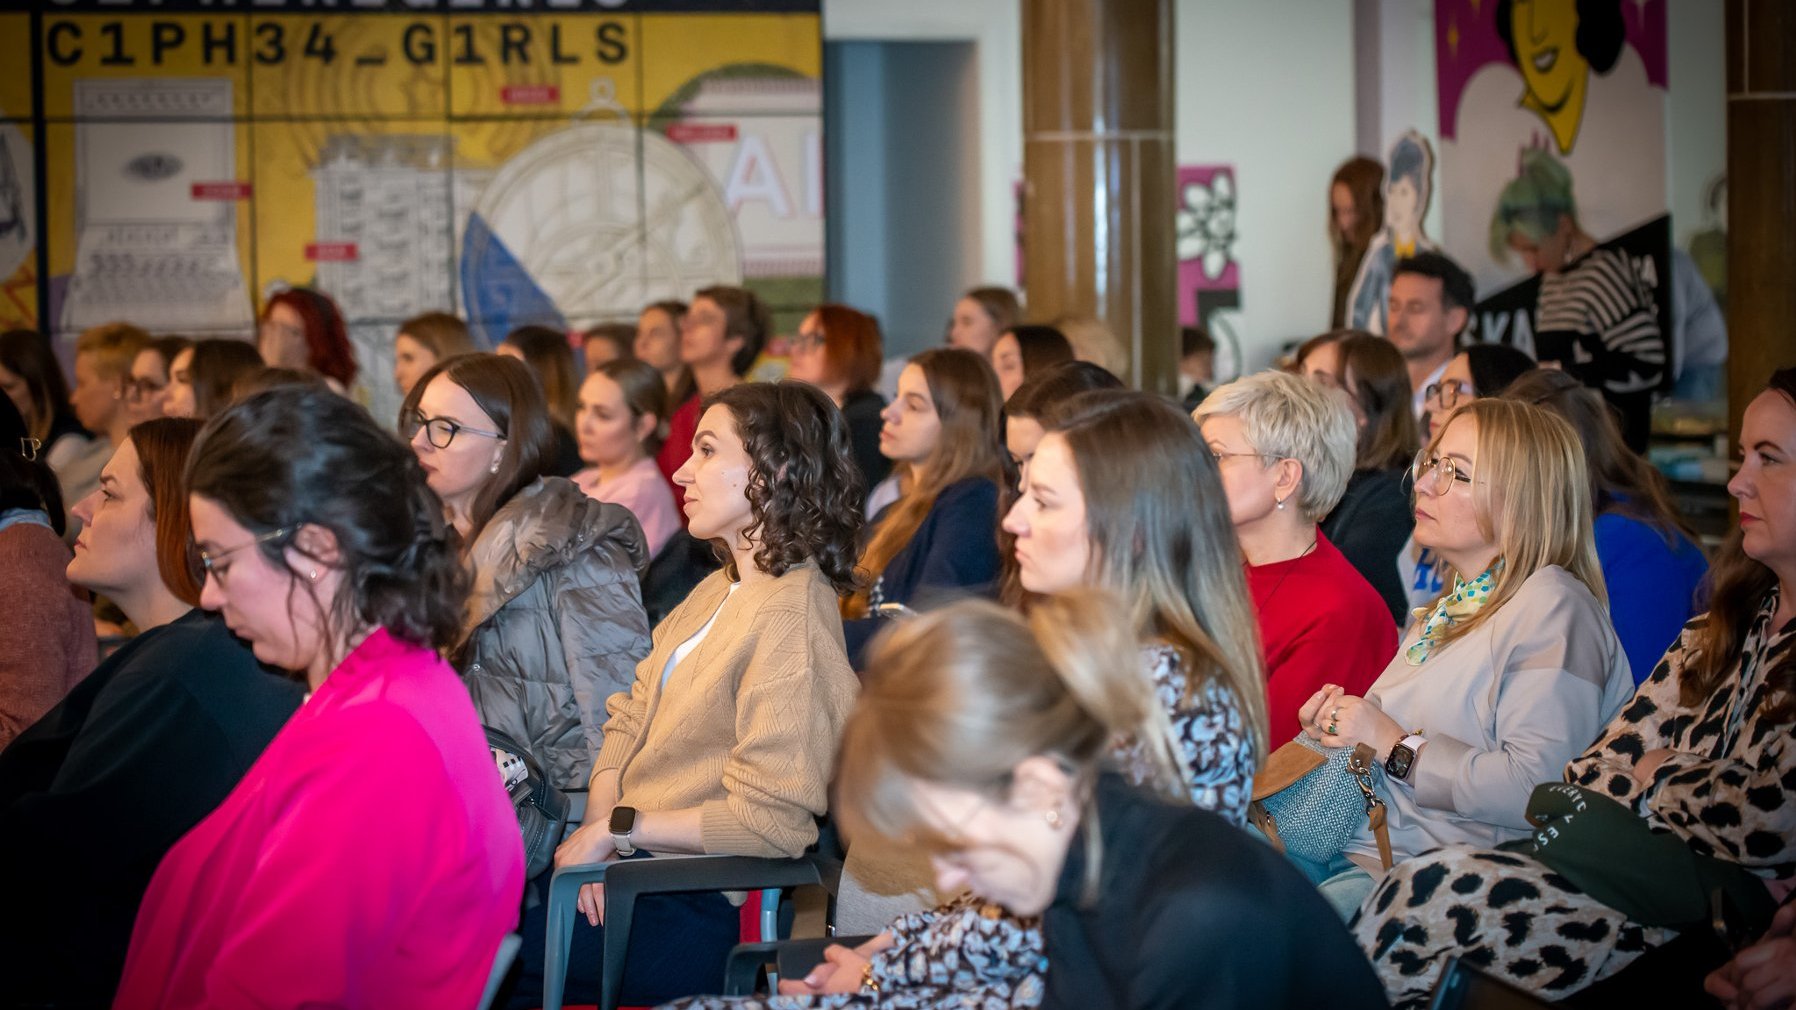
(1209, 274)
(1584, 81)
(562, 165)
(1408, 186)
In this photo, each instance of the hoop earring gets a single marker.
(1052, 816)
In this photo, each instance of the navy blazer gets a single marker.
(953, 554)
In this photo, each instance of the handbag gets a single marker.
(542, 809)
(1310, 800)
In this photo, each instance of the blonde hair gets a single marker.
(1289, 417)
(114, 346)
(1095, 342)
(958, 697)
(1531, 496)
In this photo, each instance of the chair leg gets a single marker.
(558, 937)
(620, 914)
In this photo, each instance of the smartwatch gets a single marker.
(1402, 760)
(623, 821)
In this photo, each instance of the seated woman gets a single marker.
(148, 378)
(982, 740)
(1510, 673)
(1703, 753)
(202, 377)
(980, 316)
(422, 341)
(303, 329)
(1284, 446)
(372, 834)
(549, 355)
(1027, 409)
(32, 379)
(1024, 352)
(1479, 370)
(1121, 495)
(554, 621)
(721, 336)
(838, 350)
(50, 627)
(941, 536)
(1650, 559)
(725, 741)
(1374, 516)
(622, 406)
(94, 794)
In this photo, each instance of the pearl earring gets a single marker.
(494, 468)
(1281, 504)
(1053, 817)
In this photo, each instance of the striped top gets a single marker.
(1598, 321)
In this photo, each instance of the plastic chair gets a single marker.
(750, 962)
(508, 952)
(629, 879)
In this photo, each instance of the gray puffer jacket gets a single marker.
(555, 622)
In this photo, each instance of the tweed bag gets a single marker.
(1310, 800)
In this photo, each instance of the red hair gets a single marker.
(163, 445)
(327, 339)
(852, 347)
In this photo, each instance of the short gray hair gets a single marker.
(1289, 417)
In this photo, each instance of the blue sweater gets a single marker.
(953, 553)
(1652, 586)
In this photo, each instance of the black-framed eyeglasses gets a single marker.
(140, 389)
(1445, 470)
(210, 561)
(439, 430)
(1447, 392)
(808, 340)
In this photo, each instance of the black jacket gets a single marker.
(1369, 526)
(861, 412)
(1193, 912)
(97, 791)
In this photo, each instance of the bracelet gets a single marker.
(868, 982)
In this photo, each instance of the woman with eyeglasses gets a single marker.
(148, 378)
(94, 793)
(1510, 673)
(1284, 446)
(370, 857)
(839, 350)
(1479, 370)
(554, 623)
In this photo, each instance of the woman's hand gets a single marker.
(1334, 718)
(591, 844)
(841, 971)
(1762, 976)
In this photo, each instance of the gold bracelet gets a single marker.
(868, 982)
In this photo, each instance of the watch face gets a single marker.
(623, 819)
(1398, 763)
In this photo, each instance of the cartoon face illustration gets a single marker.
(1402, 207)
(1556, 44)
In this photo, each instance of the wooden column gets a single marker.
(1098, 200)
(1761, 197)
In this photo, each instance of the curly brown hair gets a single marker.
(804, 489)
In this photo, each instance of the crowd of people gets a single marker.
(1068, 640)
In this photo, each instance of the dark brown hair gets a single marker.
(1364, 179)
(301, 455)
(163, 445)
(507, 390)
(999, 305)
(439, 333)
(852, 346)
(1039, 395)
(744, 316)
(684, 388)
(968, 402)
(621, 337)
(1041, 348)
(645, 394)
(27, 354)
(804, 489)
(252, 382)
(547, 353)
(1620, 481)
(214, 370)
(1380, 384)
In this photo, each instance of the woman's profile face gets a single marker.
(177, 396)
(657, 340)
(1340, 201)
(1248, 482)
(912, 427)
(608, 433)
(1448, 522)
(458, 471)
(266, 604)
(411, 360)
(1453, 388)
(1322, 365)
(13, 385)
(143, 390)
(1765, 485)
(972, 327)
(716, 479)
(1053, 544)
(282, 339)
(116, 551)
(807, 362)
(1007, 361)
(1003, 853)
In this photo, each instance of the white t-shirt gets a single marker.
(698, 636)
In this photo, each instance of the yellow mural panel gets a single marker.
(158, 54)
(577, 65)
(15, 66)
(349, 65)
(679, 51)
(19, 236)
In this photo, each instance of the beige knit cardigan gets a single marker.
(746, 727)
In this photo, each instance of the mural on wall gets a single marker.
(1408, 187)
(560, 167)
(1209, 274)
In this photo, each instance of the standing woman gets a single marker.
(1650, 560)
(1284, 446)
(201, 377)
(1024, 352)
(303, 329)
(372, 835)
(1355, 213)
(554, 622)
(980, 316)
(547, 353)
(622, 406)
(424, 340)
(725, 741)
(838, 350)
(1374, 517)
(941, 435)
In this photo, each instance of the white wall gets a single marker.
(1695, 111)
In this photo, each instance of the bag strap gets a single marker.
(1360, 763)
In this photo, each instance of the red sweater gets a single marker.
(1321, 623)
(678, 448)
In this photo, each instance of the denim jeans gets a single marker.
(1341, 881)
